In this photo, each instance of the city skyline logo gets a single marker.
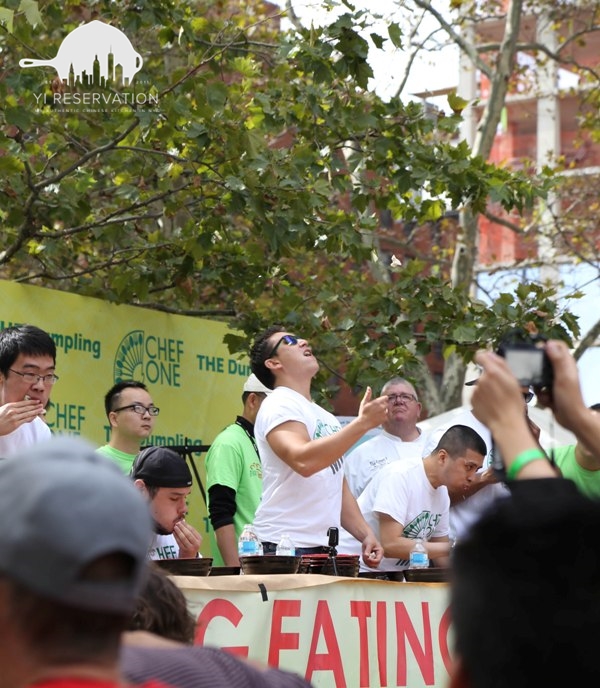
(93, 51)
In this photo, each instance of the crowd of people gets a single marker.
(80, 602)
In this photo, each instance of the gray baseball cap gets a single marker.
(62, 506)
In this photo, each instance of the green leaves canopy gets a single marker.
(250, 191)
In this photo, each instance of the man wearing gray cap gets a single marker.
(164, 478)
(234, 477)
(71, 565)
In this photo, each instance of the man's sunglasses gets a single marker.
(287, 339)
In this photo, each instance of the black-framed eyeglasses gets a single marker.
(32, 378)
(288, 339)
(406, 398)
(527, 396)
(140, 409)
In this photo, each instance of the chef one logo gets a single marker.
(94, 54)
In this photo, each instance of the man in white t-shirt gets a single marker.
(301, 447)
(400, 439)
(408, 500)
(27, 374)
(164, 478)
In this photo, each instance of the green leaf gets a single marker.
(6, 18)
(32, 12)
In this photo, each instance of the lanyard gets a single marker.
(243, 424)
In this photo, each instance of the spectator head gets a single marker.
(72, 559)
(162, 609)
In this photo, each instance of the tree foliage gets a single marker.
(247, 184)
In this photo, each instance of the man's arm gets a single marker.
(354, 522)
(397, 546)
(221, 510)
(293, 445)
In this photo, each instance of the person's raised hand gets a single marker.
(373, 411)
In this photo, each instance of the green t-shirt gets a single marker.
(232, 461)
(123, 460)
(588, 482)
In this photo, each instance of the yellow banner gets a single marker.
(336, 632)
(191, 376)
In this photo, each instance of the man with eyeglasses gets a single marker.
(302, 448)
(131, 415)
(27, 374)
(399, 440)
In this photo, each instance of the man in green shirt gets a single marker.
(578, 464)
(234, 477)
(131, 415)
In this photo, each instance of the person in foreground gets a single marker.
(158, 643)
(302, 450)
(72, 562)
(525, 591)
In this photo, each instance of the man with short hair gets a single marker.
(71, 565)
(302, 447)
(408, 500)
(400, 439)
(164, 478)
(234, 477)
(27, 373)
(131, 415)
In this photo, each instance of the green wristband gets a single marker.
(521, 460)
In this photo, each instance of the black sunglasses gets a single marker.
(287, 339)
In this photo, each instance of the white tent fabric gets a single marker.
(552, 434)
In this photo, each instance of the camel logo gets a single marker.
(93, 51)
(129, 359)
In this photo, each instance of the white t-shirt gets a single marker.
(362, 463)
(304, 508)
(403, 491)
(163, 547)
(24, 436)
(464, 515)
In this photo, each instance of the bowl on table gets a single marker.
(433, 574)
(186, 567)
(257, 564)
(345, 564)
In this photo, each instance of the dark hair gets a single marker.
(111, 398)
(525, 594)
(24, 339)
(458, 438)
(259, 353)
(162, 609)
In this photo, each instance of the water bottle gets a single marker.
(249, 544)
(419, 559)
(285, 547)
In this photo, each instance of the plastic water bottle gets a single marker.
(249, 544)
(419, 559)
(285, 547)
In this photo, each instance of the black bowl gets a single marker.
(186, 567)
(345, 564)
(225, 571)
(431, 575)
(269, 564)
